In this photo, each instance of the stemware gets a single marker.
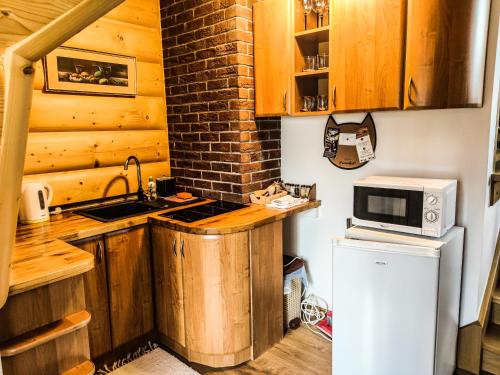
(319, 7)
(308, 7)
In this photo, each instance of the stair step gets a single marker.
(85, 368)
(491, 350)
(496, 295)
(45, 334)
(491, 362)
(495, 306)
(491, 341)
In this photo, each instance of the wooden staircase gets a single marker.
(490, 362)
(479, 342)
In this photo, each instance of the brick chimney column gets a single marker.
(217, 147)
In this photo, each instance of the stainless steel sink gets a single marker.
(119, 211)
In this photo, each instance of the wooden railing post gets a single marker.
(18, 67)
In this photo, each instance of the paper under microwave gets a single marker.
(411, 205)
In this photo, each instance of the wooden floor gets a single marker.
(301, 352)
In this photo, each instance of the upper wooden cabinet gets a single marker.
(383, 55)
(366, 54)
(445, 53)
(272, 57)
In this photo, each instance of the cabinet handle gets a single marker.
(410, 83)
(99, 252)
(334, 95)
(182, 248)
(174, 251)
(284, 101)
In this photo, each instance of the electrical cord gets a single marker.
(290, 262)
(313, 311)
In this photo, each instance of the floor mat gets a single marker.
(156, 362)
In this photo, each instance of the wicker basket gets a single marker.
(291, 303)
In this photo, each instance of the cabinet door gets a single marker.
(445, 53)
(366, 54)
(272, 57)
(96, 297)
(216, 274)
(130, 284)
(168, 284)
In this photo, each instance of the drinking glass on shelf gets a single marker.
(309, 63)
(308, 6)
(319, 7)
(322, 102)
(322, 61)
(307, 104)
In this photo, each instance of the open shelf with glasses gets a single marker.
(306, 21)
(311, 61)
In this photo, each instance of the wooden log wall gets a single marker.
(77, 143)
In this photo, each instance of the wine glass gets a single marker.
(319, 7)
(308, 6)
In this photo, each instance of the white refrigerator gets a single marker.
(396, 302)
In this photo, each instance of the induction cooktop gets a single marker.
(204, 211)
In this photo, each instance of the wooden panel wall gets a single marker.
(77, 143)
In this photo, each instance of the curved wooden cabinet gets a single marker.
(203, 295)
(216, 275)
(445, 53)
(219, 297)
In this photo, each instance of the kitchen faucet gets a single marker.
(140, 192)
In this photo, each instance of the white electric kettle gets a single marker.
(35, 201)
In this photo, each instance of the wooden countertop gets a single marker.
(42, 254)
(237, 221)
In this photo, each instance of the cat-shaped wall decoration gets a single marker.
(350, 145)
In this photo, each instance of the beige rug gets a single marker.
(156, 362)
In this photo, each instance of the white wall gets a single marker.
(433, 143)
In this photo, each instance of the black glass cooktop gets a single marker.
(204, 211)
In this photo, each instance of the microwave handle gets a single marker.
(349, 223)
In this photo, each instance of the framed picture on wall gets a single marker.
(76, 71)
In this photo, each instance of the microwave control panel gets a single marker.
(432, 213)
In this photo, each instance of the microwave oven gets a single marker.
(412, 205)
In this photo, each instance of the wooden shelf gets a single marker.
(45, 334)
(497, 156)
(84, 368)
(323, 73)
(317, 35)
(312, 113)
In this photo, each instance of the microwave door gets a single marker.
(394, 207)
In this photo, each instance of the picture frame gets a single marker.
(84, 72)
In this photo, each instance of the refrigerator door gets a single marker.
(384, 308)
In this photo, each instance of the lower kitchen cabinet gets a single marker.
(130, 284)
(96, 297)
(216, 278)
(169, 291)
(204, 297)
(118, 291)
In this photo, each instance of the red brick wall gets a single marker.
(217, 148)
